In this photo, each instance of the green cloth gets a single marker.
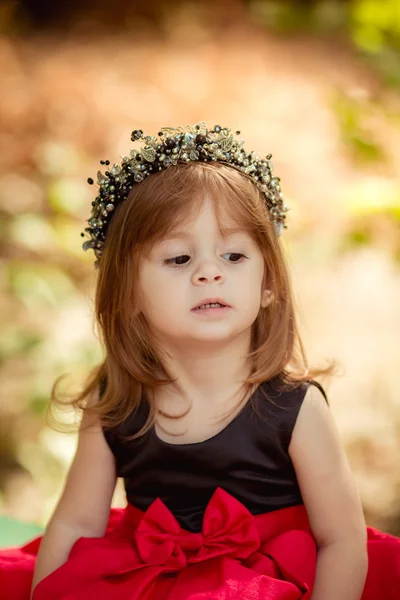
(14, 532)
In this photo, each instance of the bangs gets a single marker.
(171, 199)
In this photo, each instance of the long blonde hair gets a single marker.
(153, 208)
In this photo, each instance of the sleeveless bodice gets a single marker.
(248, 458)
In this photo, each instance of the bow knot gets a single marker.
(228, 528)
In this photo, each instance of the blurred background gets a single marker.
(316, 83)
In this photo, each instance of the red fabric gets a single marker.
(148, 556)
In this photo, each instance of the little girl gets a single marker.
(236, 481)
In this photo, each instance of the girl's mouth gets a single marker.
(212, 309)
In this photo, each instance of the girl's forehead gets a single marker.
(184, 232)
(230, 231)
(227, 222)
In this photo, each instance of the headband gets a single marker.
(190, 143)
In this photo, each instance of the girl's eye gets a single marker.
(171, 261)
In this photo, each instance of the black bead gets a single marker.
(160, 133)
(93, 203)
(238, 133)
(90, 180)
(107, 162)
(102, 162)
(170, 143)
(82, 235)
(107, 173)
(136, 133)
(200, 139)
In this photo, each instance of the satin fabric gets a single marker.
(149, 556)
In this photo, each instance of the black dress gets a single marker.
(249, 459)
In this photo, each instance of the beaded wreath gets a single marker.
(190, 143)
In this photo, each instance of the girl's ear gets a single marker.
(266, 298)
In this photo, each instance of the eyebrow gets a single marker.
(185, 234)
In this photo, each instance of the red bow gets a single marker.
(228, 528)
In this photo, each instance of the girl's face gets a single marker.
(194, 264)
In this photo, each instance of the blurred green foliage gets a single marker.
(372, 25)
(375, 29)
(353, 115)
(375, 24)
(290, 16)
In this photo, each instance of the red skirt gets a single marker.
(148, 556)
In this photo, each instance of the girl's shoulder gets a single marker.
(277, 405)
(286, 393)
(131, 424)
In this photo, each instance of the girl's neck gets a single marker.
(206, 379)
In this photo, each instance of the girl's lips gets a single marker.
(219, 310)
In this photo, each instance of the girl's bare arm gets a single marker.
(332, 501)
(84, 507)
